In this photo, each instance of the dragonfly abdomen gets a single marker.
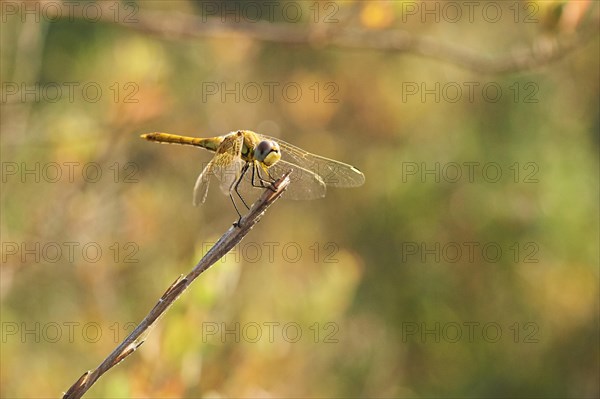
(210, 144)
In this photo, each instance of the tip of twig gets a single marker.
(270, 195)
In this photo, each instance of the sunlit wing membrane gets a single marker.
(228, 173)
(228, 162)
(305, 185)
(201, 186)
(333, 173)
(225, 166)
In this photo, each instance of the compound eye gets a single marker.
(267, 152)
(262, 150)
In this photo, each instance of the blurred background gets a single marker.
(466, 266)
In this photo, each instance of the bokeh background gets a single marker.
(394, 289)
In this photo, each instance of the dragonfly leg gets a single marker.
(273, 180)
(237, 210)
(235, 188)
(253, 177)
(264, 183)
(237, 184)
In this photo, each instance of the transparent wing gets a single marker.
(332, 173)
(225, 166)
(201, 186)
(304, 185)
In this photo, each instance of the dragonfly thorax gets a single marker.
(267, 152)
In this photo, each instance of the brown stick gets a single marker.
(137, 337)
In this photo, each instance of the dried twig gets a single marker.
(231, 238)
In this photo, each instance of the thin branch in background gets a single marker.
(543, 50)
(137, 337)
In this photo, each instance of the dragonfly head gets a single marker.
(267, 152)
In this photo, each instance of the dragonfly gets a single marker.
(245, 160)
